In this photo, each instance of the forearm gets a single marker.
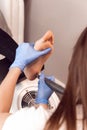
(7, 88)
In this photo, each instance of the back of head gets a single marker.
(77, 78)
(76, 90)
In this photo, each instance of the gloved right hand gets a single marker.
(44, 91)
(25, 54)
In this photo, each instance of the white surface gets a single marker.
(27, 119)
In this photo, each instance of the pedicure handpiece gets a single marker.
(54, 86)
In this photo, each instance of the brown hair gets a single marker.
(76, 89)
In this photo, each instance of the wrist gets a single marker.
(19, 65)
(41, 101)
(15, 70)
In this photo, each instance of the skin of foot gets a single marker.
(32, 70)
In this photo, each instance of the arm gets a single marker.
(7, 89)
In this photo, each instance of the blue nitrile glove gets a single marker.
(44, 91)
(25, 54)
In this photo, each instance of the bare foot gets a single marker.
(32, 70)
(41, 43)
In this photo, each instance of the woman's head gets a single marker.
(76, 88)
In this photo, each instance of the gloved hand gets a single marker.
(25, 54)
(44, 91)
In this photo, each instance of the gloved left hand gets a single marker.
(25, 54)
(44, 91)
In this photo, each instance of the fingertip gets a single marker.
(48, 35)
